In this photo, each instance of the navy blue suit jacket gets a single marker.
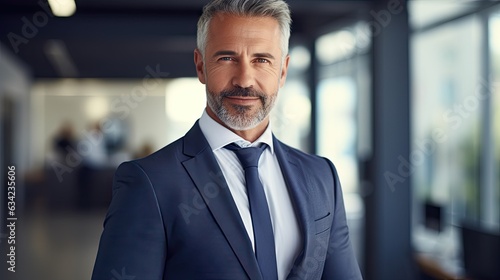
(172, 216)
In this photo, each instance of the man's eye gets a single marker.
(262, 60)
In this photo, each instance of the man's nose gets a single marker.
(243, 76)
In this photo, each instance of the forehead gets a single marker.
(226, 29)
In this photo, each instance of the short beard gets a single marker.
(242, 119)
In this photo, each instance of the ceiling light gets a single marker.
(62, 8)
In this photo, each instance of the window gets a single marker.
(494, 40)
(445, 118)
(455, 126)
(343, 102)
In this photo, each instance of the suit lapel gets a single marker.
(205, 172)
(298, 187)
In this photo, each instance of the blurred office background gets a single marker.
(403, 96)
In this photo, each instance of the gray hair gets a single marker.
(276, 9)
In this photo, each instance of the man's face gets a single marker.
(242, 69)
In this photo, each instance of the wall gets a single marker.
(87, 101)
(15, 81)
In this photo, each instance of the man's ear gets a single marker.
(284, 70)
(200, 67)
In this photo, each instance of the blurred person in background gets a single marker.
(200, 208)
(95, 158)
(64, 141)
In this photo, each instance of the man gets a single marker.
(196, 209)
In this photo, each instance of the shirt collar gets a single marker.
(219, 136)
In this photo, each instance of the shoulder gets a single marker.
(164, 158)
(303, 157)
(313, 165)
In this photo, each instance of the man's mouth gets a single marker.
(243, 100)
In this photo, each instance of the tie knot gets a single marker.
(249, 157)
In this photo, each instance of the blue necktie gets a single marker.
(261, 219)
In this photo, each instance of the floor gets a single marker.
(56, 246)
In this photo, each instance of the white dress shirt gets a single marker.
(287, 235)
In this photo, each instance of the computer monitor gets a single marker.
(433, 218)
(481, 252)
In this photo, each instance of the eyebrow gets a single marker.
(224, 52)
(228, 52)
(265, 55)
